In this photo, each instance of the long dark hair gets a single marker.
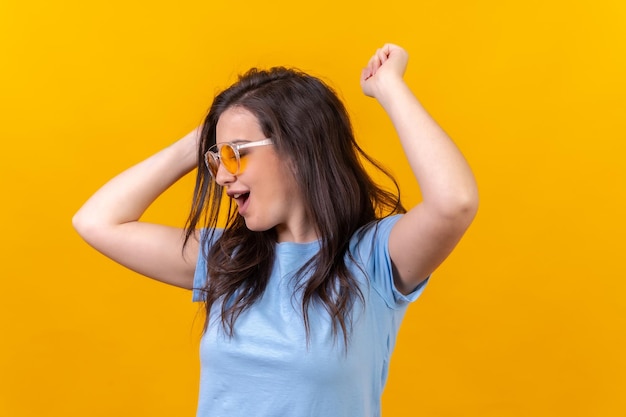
(310, 127)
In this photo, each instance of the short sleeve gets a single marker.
(372, 245)
(200, 275)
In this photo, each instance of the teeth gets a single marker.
(237, 195)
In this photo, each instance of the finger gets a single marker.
(366, 73)
(372, 61)
(382, 55)
(370, 68)
(375, 63)
(389, 48)
(371, 65)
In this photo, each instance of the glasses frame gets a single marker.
(214, 153)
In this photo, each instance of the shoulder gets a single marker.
(208, 237)
(369, 246)
(377, 231)
(369, 249)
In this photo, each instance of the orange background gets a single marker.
(526, 318)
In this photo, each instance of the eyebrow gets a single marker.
(238, 141)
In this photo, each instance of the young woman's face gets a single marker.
(265, 191)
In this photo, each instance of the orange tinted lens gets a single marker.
(229, 159)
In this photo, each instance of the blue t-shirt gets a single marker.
(267, 369)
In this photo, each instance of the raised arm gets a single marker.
(109, 220)
(426, 235)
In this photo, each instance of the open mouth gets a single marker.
(241, 200)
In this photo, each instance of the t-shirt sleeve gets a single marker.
(200, 274)
(373, 248)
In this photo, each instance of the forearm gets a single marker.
(445, 179)
(126, 197)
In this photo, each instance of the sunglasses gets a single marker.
(230, 156)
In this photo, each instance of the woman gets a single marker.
(306, 285)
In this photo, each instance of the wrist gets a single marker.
(185, 151)
(390, 90)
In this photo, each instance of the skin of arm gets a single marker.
(109, 220)
(422, 239)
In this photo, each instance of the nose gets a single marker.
(223, 177)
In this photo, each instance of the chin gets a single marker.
(255, 227)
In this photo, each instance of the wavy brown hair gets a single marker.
(310, 128)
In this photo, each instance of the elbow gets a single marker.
(461, 208)
(84, 225)
(467, 212)
(469, 208)
(78, 223)
(468, 204)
